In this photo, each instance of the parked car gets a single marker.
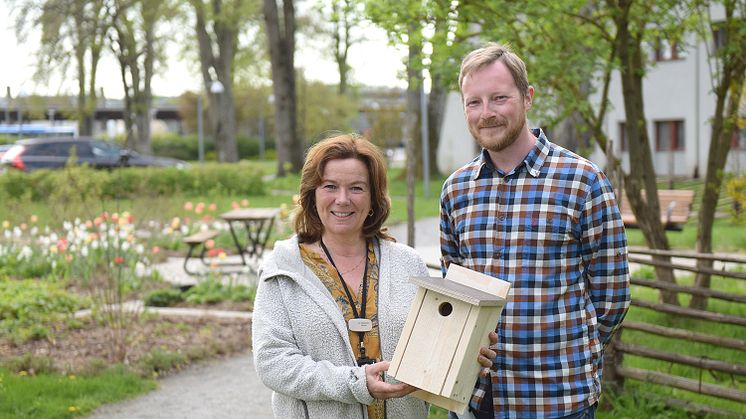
(53, 153)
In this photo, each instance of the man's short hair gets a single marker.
(482, 57)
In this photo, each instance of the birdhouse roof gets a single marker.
(461, 292)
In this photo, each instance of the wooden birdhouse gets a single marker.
(448, 322)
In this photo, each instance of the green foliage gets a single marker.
(163, 297)
(66, 396)
(158, 362)
(645, 272)
(213, 291)
(28, 308)
(186, 147)
(638, 403)
(21, 263)
(30, 364)
(736, 189)
(79, 186)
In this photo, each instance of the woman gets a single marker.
(332, 300)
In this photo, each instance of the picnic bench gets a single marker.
(675, 204)
(198, 240)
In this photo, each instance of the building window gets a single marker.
(666, 50)
(719, 37)
(623, 136)
(738, 141)
(669, 135)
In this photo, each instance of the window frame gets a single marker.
(677, 139)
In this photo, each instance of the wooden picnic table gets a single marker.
(257, 224)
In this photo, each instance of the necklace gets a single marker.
(365, 256)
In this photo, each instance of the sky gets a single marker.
(373, 63)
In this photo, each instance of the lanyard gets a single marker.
(363, 359)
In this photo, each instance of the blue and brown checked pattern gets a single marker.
(552, 228)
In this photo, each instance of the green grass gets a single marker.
(66, 396)
(728, 236)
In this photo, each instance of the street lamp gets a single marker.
(200, 131)
(216, 87)
(262, 128)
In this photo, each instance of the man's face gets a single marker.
(494, 107)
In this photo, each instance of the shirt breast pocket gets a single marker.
(547, 235)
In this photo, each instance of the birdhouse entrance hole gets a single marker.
(445, 309)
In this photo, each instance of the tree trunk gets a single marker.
(412, 127)
(642, 172)
(729, 88)
(341, 14)
(282, 50)
(435, 110)
(218, 67)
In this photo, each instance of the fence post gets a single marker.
(612, 360)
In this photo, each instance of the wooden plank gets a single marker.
(200, 237)
(692, 361)
(429, 354)
(711, 271)
(406, 334)
(687, 254)
(706, 292)
(478, 280)
(690, 312)
(459, 291)
(250, 214)
(686, 335)
(465, 368)
(675, 207)
(441, 401)
(683, 383)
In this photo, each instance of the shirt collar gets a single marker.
(533, 162)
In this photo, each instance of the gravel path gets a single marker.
(219, 389)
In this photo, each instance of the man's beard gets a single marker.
(503, 140)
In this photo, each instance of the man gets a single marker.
(545, 219)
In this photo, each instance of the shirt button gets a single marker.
(502, 218)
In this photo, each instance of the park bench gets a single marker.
(675, 204)
(197, 240)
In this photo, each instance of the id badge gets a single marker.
(360, 325)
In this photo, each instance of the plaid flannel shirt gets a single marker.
(551, 227)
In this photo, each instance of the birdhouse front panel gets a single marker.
(432, 346)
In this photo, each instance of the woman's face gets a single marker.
(343, 198)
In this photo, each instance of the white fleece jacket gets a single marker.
(300, 340)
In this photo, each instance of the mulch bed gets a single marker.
(76, 350)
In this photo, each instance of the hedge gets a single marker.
(186, 147)
(83, 182)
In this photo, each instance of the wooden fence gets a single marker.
(615, 370)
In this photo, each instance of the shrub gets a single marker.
(186, 147)
(158, 362)
(30, 363)
(164, 297)
(76, 186)
(213, 291)
(28, 306)
(736, 189)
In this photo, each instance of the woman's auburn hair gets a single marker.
(308, 225)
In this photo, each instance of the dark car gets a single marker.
(53, 153)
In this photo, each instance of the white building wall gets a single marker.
(457, 147)
(674, 90)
